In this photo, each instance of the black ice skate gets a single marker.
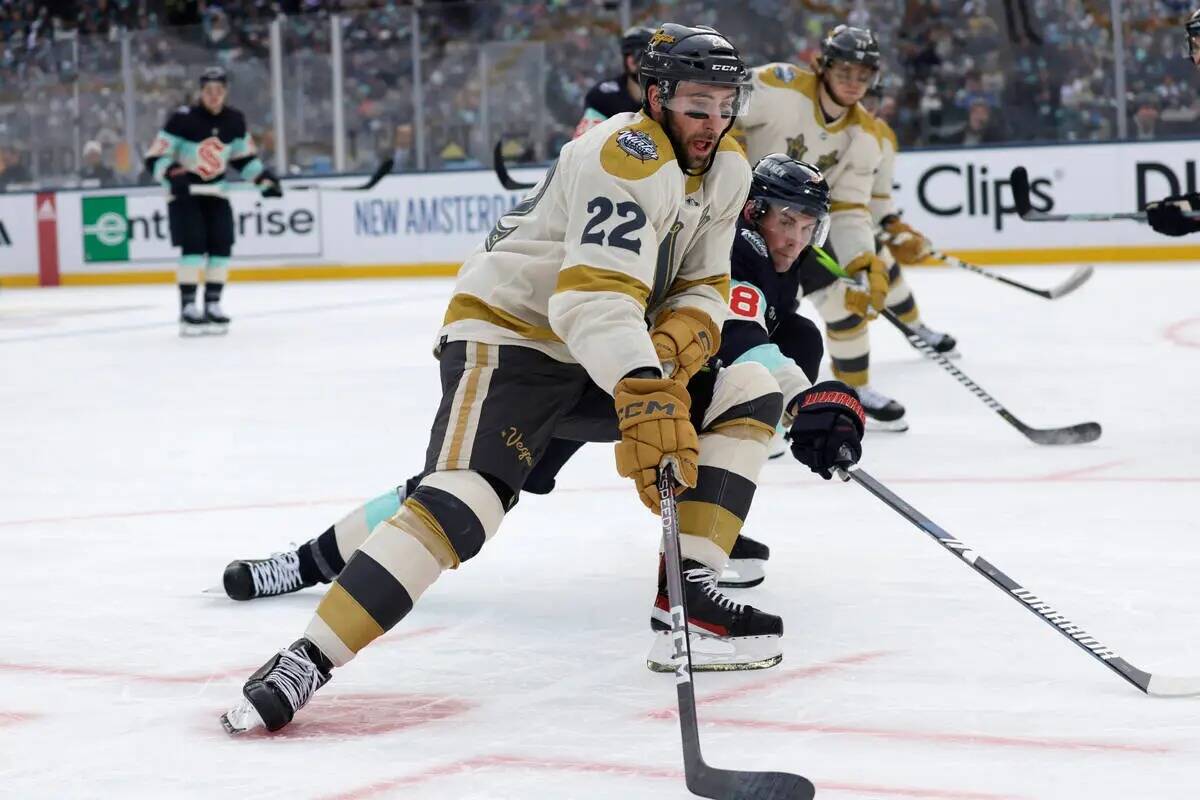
(943, 343)
(264, 577)
(192, 322)
(724, 635)
(883, 413)
(218, 323)
(279, 689)
(745, 566)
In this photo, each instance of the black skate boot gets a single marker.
(943, 343)
(280, 688)
(264, 577)
(724, 635)
(883, 413)
(218, 323)
(192, 321)
(745, 566)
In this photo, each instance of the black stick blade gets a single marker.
(1082, 433)
(381, 171)
(502, 175)
(1019, 181)
(723, 784)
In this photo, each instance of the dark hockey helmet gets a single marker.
(856, 45)
(635, 39)
(783, 183)
(214, 75)
(1192, 26)
(694, 54)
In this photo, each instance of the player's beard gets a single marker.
(694, 165)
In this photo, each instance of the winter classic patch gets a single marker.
(638, 144)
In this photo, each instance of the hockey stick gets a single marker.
(1076, 279)
(703, 780)
(380, 172)
(1019, 180)
(1074, 434)
(506, 180)
(1155, 685)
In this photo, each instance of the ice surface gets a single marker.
(134, 465)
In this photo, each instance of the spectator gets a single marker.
(1145, 118)
(981, 127)
(95, 172)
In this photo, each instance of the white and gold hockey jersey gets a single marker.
(612, 235)
(785, 117)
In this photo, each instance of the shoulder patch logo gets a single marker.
(638, 144)
(785, 73)
(756, 241)
(608, 87)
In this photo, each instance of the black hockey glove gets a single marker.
(268, 184)
(181, 183)
(827, 418)
(1167, 216)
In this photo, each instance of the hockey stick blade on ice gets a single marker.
(1076, 279)
(505, 179)
(702, 779)
(1154, 685)
(1074, 434)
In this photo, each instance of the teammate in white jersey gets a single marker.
(817, 117)
(586, 314)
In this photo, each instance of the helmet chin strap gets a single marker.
(830, 91)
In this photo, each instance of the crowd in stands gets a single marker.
(956, 72)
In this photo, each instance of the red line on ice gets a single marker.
(166, 512)
(481, 763)
(240, 672)
(1175, 333)
(1038, 743)
(777, 680)
(14, 717)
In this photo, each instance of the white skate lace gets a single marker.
(275, 575)
(707, 580)
(296, 677)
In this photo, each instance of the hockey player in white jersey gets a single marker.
(586, 312)
(816, 116)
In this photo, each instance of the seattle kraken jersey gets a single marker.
(205, 145)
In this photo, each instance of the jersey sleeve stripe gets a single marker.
(582, 278)
(840, 205)
(465, 306)
(719, 282)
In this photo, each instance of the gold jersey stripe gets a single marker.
(466, 306)
(477, 362)
(630, 162)
(582, 278)
(841, 205)
(348, 620)
(708, 520)
(718, 282)
(852, 378)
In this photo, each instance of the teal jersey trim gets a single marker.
(382, 508)
(769, 355)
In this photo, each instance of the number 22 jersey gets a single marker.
(613, 234)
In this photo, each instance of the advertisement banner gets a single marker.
(18, 235)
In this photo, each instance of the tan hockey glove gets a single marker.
(652, 414)
(684, 340)
(859, 302)
(906, 245)
(877, 279)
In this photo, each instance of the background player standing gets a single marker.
(620, 93)
(1167, 216)
(816, 117)
(195, 146)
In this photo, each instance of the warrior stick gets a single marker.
(1019, 180)
(703, 780)
(1155, 685)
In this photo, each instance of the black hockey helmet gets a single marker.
(214, 75)
(783, 183)
(696, 54)
(1192, 26)
(635, 39)
(856, 45)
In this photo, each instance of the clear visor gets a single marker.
(800, 222)
(709, 100)
(1193, 44)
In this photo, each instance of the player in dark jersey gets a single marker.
(1169, 216)
(619, 93)
(194, 148)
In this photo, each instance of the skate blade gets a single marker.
(742, 573)
(216, 329)
(187, 330)
(889, 426)
(241, 718)
(716, 654)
